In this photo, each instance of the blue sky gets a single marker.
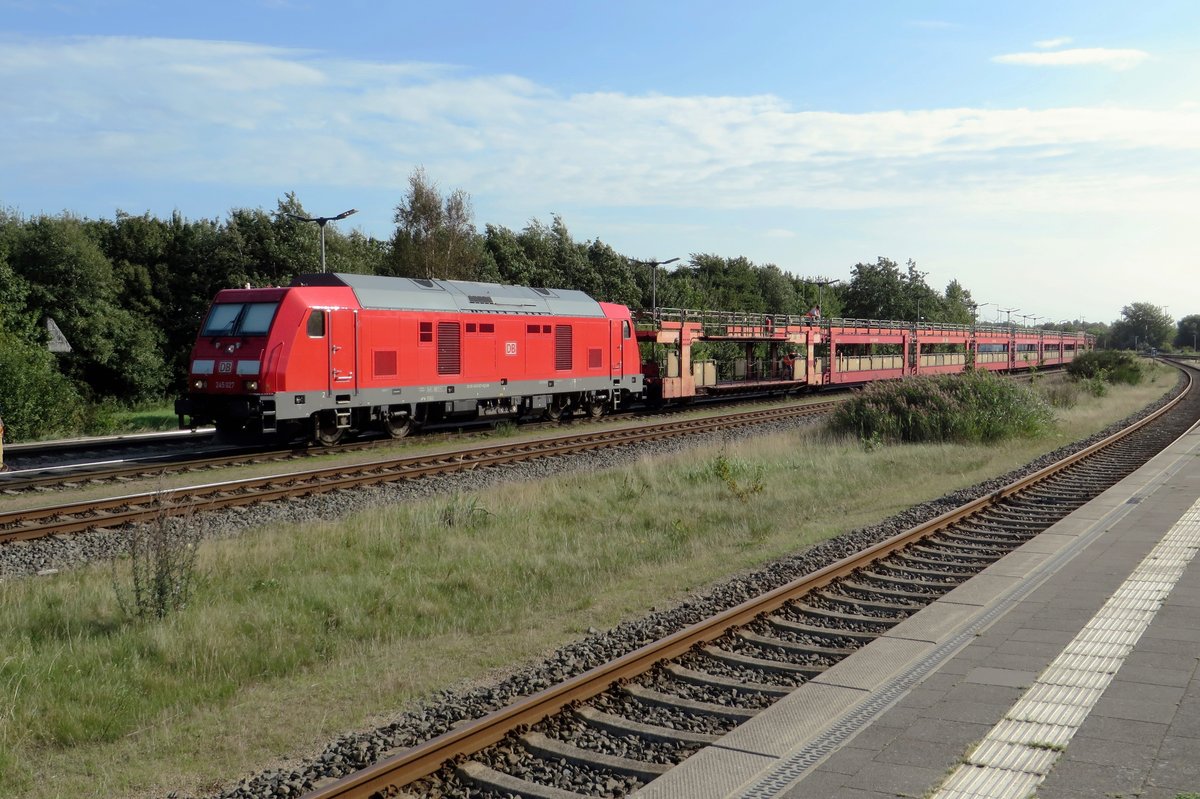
(1046, 155)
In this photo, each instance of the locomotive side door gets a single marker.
(343, 349)
(619, 334)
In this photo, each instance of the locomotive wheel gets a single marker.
(595, 408)
(325, 430)
(397, 426)
(228, 431)
(557, 408)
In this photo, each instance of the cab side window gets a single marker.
(625, 329)
(316, 324)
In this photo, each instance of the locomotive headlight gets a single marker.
(199, 384)
(250, 385)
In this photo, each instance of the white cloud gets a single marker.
(87, 111)
(1080, 56)
(1050, 44)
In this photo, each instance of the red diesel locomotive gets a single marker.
(333, 353)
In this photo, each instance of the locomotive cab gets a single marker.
(227, 383)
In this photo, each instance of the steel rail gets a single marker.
(56, 477)
(113, 511)
(425, 759)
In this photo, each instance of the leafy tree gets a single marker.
(435, 236)
(504, 251)
(1143, 325)
(355, 253)
(876, 291)
(1188, 331)
(615, 273)
(922, 302)
(15, 316)
(70, 279)
(727, 284)
(957, 307)
(778, 292)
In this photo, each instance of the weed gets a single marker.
(633, 487)
(728, 471)
(162, 561)
(1060, 393)
(1047, 746)
(678, 533)
(463, 512)
(506, 429)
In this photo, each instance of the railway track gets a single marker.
(124, 459)
(620, 725)
(111, 512)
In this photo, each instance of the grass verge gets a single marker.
(291, 633)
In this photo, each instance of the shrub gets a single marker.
(1111, 366)
(36, 400)
(972, 407)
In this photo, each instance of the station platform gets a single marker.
(1068, 669)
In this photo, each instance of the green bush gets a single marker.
(973, 407)
(36, 400)
(1111, 366)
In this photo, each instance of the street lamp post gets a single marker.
(654, 265)
(322, 221)
(821, 284)
(1008, 311)
(979, 305)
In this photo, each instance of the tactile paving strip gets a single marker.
(1020, 751)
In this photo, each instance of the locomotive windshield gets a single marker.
(239, 319)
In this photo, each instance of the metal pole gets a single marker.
(321, 222)
(654, 265)
(322, 226)
(821, 284)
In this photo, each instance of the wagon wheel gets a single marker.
(397, 426)
(325, 429)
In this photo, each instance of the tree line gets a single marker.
(129, 293)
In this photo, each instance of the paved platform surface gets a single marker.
(1069, 669)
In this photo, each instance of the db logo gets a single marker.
(510, 348)
(225, 367)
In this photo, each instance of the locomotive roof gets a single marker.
(413, 294)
